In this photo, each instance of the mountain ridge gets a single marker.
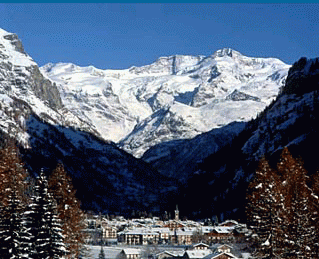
(63, 112)
(289, 121)
(193, 89)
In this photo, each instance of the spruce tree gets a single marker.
(71, 216)
(14, 236)
(101, 254)
(46, 239)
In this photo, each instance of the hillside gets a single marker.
(291, 120)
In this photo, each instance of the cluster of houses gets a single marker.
(197, 251)
(152, 231)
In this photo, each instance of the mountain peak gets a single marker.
(12, 50)
(226, 52)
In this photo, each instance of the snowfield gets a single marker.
(175, 97)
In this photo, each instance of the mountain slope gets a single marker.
(179, 158)
(32, 111)
(176, 97)
(291, 120)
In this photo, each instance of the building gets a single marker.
(139, 236)
(224, 248)
(200, 246)
(220, 234)
(182, 237)
(130, 253)
(166, 255)
(196, 254)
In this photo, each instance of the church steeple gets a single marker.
(176, 213)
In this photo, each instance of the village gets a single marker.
(172, 239)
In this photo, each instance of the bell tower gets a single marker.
(176, 213)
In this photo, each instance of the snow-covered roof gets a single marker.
(139, 231)
(131, 251)
(223, 230)
(229, 222)
(216, 255)
(198, 253)
(200, 244)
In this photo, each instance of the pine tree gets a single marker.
(72, 218)
(264, 202)
(14, 236)
(101, 254)
(47, 240)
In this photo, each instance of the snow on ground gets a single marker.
(111, 252)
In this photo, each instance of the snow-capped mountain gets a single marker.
(21, 79)
(290, 121)
(32, 111)
(70, 114)
(176, 97)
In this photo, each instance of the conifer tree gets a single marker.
(264, 202)
(72, 218)
(101, 254)
(283, 207)
(12, 173)
(14, 237)
(297, 227)
(47, 240)
(315, 203)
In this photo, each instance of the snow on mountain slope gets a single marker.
(290, 121)
(176, 97)
(31, 111)
(22, 81)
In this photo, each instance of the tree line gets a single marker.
(39, 218)
(282, 209)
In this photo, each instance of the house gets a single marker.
(182, 237)
(108, 232)
(221, 256)
(174, 224)
(130, 253)
(166, 255)
(224, 248)
(229, 223)
(196, 254)
(221, 234)
(138, 236)
(164, 234)
(200, 246)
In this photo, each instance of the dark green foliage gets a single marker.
(47, 240)
(14, 237)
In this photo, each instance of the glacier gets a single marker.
(176, 97)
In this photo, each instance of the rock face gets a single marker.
(45, 89)
(31, 110)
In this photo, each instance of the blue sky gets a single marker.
(113, 35)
